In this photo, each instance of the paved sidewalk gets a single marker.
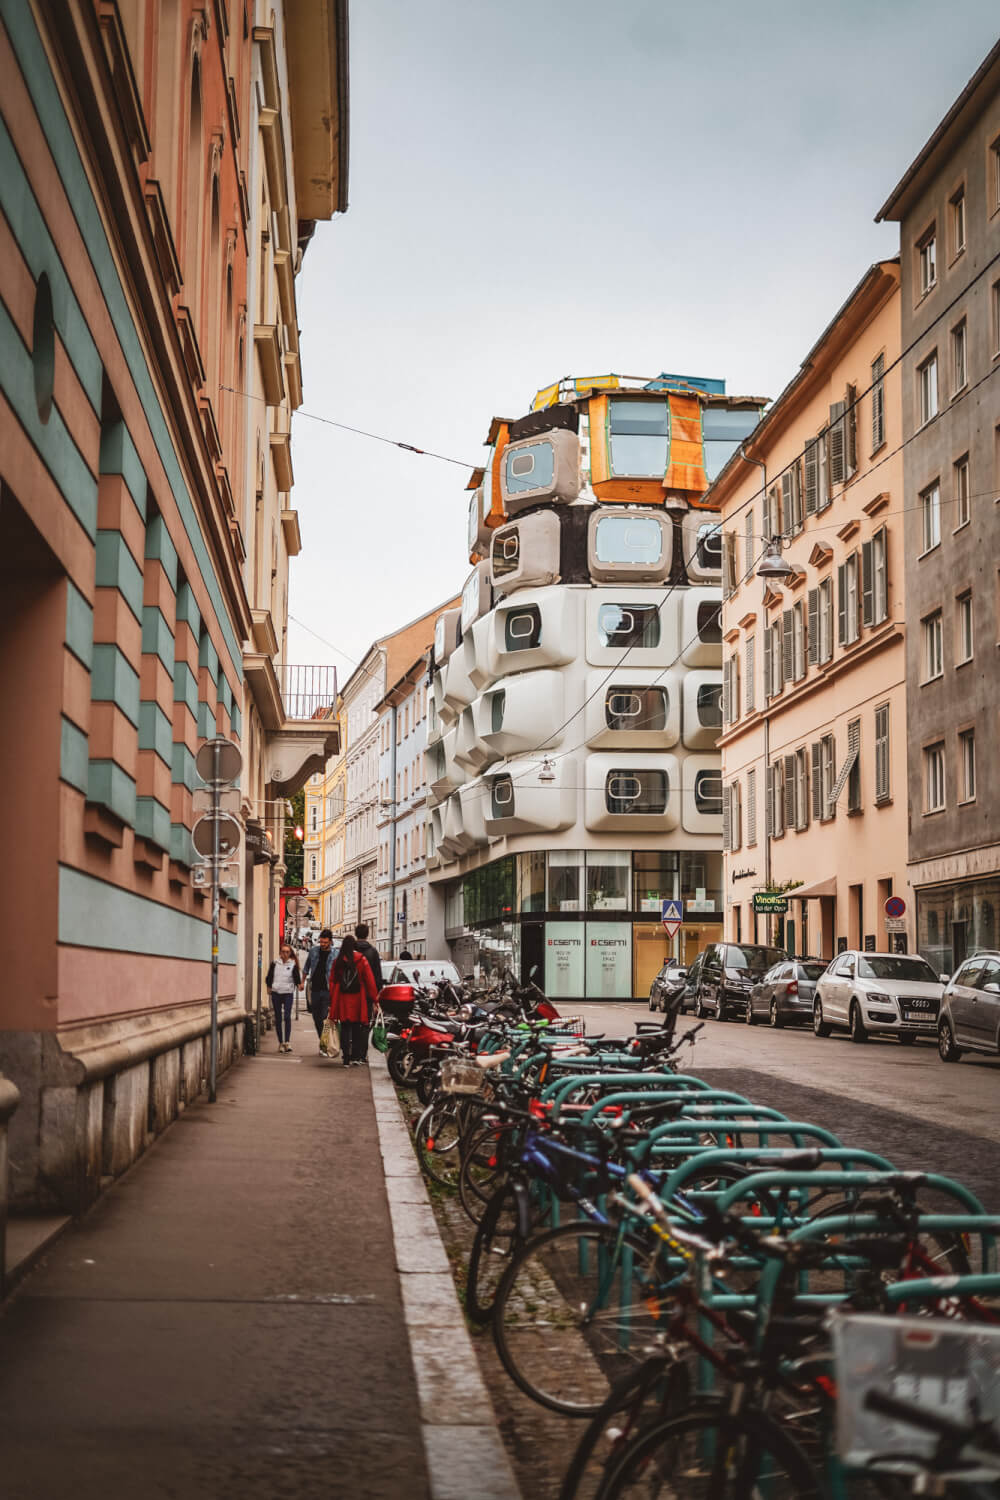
(227, 1321)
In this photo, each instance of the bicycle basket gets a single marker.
(575, 1025)
(461, 1076)
(951, 1368)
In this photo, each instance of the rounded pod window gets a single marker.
(636, 708)
(43, 348)
(502, 797)
(636, 791)
(523, 628)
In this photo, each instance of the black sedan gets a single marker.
(664, 988)
(785, 993)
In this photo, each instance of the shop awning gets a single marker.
(826, 887)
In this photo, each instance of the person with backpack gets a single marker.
(317, 970)
(371, 953)
(352, 994)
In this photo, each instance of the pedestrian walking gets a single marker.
(284, 977)
(352, 994)
(317, 970)
(375, 964)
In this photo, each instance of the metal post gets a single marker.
(214, 1036)
(260, 970)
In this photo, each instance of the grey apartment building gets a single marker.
(948, 209)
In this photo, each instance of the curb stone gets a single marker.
(465, 1453)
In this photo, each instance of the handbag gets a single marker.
(380, 1039)
(329, 1042)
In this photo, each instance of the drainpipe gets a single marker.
(392, 831)
(762, 466)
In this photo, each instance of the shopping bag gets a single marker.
(380, 1039)
(329, 1042)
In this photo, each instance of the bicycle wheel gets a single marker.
(577, 1307)
(484, 1161)
(436, 1141)
(655, 1390)
(498, 1235)
(707, 1453)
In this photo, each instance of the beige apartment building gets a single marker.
(814, 706)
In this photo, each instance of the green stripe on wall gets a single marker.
(58, 452)
(73, 764)
(116, 568)
(113, 680)
(119, 456)
(155, 731)
(25, 40)
(94, 914)
(112, 787)
(79, 625)
(157, 637)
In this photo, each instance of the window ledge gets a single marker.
(927, 552)
(966, 802)
(855, 812)
(926, 681)
(965, 662)
(879, 448)
(934, 812)
(961, 526)
(883, 801)
(960, 390)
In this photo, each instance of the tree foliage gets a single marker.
(294, 859)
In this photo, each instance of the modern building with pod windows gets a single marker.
(575, 698)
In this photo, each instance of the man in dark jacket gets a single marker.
(375, 964)
(317, 971)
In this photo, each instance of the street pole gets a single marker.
(260, 970)
(214, 1037)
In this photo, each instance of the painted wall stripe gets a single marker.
(41, 85)
(73, 766)
(79, 625)
(94, 914)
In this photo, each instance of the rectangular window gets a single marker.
(848, 626)
(773, 678)
(628, 625)
(927, 390)
(826, 620)
(958, 223)
(878, 403)
(828, 757)
(791, 499)
(959, 357)
(801, 789)
(731, 690)
(927, 262)
(772, 513)
(811, 473)
(882, 753)
(776, 799)
(824, 495)
(751, 808)
(930, 514)
(963, 628)
(749, 665)
(639, 436)
(750, 550)
(733, 814)
(967, 757)
(963, 513)
(854, 774)
(933, 647)
(728, 564)
(798, 642)
(934, 790)
(874, 580)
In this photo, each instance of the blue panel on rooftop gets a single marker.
(667, 382)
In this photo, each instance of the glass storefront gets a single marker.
(587, 922)
(956, 921)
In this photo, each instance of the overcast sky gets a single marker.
(542, 188)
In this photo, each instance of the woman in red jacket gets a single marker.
(352, 994)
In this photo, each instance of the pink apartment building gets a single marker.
(814, 709)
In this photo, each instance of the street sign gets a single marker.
(229, 799)
(297, 906)
(201, 875)
(895, 924)
(672, 917)
(219, 761)
(770, 904)
(895, 906)
(229, 835)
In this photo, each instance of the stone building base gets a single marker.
(93, 1097)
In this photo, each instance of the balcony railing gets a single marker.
(308, 692)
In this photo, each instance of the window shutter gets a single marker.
(878, 403)
(817, 780)
(880, 569)
(787, 507)
(842, 603)
(851, 436)
(734, 692)
(802, 789)
(767, 661)
(727, 819)
(787, 648)
(837, 443)
(789, 791)
(824, 497)
(797, 496)
(769, 802)
(867, 585)
(750, 691)
(735, 816)
(826, 621)
(813, 598)
(811, 468)
(776, 649)
(751, 807)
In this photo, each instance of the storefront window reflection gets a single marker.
(608, 879)
(531, 880)
(565, 880)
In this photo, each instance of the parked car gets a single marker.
(785, 992)
(664, 987)
(728, 973)
(883, 994)
(691, 983)
(969, 1020)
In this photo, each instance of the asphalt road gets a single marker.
(901, 1102)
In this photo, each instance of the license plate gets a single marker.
(919, 1015)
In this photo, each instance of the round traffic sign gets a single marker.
(298, 906)
(895, 906)
(219, 761)
(230, 833)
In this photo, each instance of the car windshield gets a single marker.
(753, 960)
(812, 971)
(895, 966)
(429, 971)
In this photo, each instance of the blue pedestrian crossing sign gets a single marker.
(671, 915)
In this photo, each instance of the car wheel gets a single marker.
(652, 1001)
(720, 1008)
(858, 1032)
(748, 1014)
(774, 1015)
(947, 1051)
(820, 1028)
(699, 1006)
